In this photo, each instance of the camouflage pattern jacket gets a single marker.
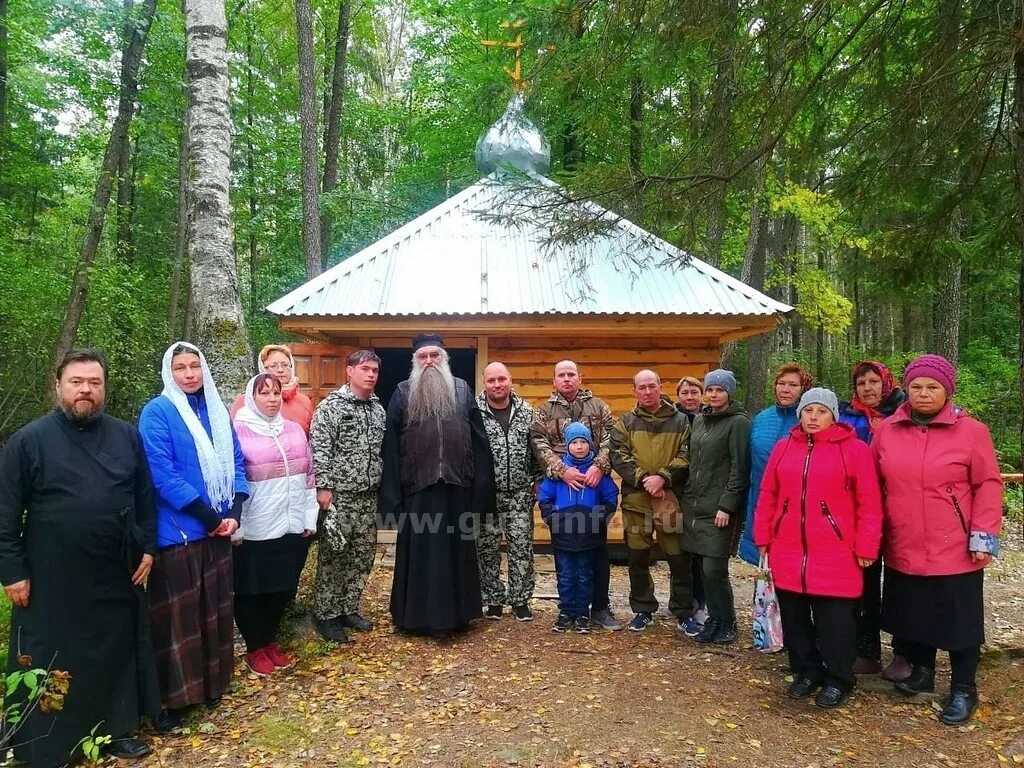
(555, 415)
(514, 464)
(346, 438)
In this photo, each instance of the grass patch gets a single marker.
(273, 733)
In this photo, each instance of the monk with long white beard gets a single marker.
(438, 479)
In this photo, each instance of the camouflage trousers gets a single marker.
(347, 542)
(514, 518)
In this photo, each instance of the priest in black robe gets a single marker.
(438, 480)
(77, 538)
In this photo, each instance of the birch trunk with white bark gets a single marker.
(218, 323)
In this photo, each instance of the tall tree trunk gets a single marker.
(310, 150)
(948, 304)
(332, 129)
(572, 151)
(636, 123)
(216, 306)
(180, 228)
(250, 170)
(3, 82)
(125, 200)
(755, 270)
(135, 32)
(1018, 183)
(720, 123)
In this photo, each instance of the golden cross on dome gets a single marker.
(516, 73)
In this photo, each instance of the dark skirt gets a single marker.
(436, 587)
(192, 619)
(945, 612)
(274, 565)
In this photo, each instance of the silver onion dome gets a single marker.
(513, 141)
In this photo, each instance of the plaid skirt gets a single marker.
(192, 620)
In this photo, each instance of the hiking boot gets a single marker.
(356, 622)
(711, 627)
(605, 618)
(168, 720)
(920, 680)
(277, 656)
(802, 688)
(259, 663)
(522, 612)
(832, 696)
(641, 621)
(899, 669)
(127, 748)
(562, 624)
(866, 666)
(960, 706)
(726, 633)
(493, 612)
(331, 629)
(581, 625)
(689, 626)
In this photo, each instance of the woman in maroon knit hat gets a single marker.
(942, 500)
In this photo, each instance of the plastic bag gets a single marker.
(767, 619)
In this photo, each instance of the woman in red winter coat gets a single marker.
(943, 511)
(819, 521)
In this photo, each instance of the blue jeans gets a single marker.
(575, 573)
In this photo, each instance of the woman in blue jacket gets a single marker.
(578, 519)
(199, 476)
(875, 397)
(767, 428)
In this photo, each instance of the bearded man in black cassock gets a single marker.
(77, 537)
(438, 479)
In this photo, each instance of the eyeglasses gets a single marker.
(278, 366)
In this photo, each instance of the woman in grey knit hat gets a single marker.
(715, 498)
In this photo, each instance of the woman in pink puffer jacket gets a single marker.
(819, 520)
(943, 511)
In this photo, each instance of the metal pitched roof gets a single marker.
(504, 247)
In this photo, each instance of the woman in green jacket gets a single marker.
(715, 498)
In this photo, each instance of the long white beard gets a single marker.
(431, 392)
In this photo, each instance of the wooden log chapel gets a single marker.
(512, 270)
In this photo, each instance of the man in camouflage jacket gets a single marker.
(569, 403)
(507, 419)
(346, 438)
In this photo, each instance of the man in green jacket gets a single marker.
(649, 450)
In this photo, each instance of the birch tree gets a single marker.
(216, 306)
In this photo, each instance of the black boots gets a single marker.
(962, 701)
(920, 680)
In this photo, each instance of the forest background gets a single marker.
(859, 160)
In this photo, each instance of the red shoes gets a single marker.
(276, 655)
(263, 661)
(259, 662)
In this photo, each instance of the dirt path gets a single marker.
(514, 694)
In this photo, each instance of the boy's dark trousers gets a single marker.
(574, 571)
(821, 636)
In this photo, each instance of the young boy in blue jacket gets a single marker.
(577, 519)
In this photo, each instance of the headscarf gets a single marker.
(250, 414)
(288, 390)
(216, 457)
(873, 415)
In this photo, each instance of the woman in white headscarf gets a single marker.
(200, 482)
(277, 359)
(277, 520)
